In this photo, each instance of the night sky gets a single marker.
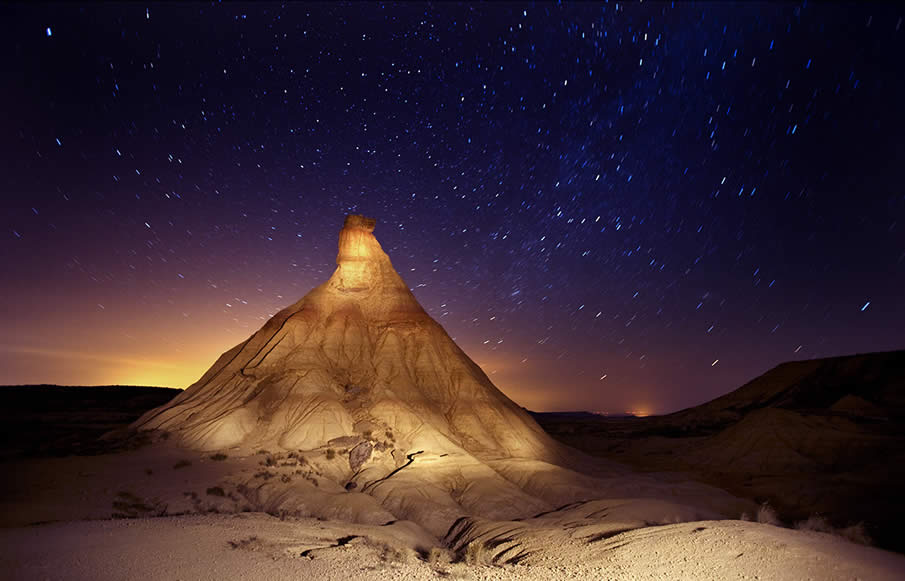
(609, 207)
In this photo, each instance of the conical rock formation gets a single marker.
(367, 411)
(356, 356)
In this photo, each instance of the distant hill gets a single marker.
(825, 436)
(864, 386)
(57, 420)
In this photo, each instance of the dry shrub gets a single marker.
(439, 558)
(182, 464)
(476, 553)
(856, 533)
(128, 505)
(331, 453)
(250, 543)
(815, 523)
(766, 515)
(392, 553)
(216, 491)
(219, 456)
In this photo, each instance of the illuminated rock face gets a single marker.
(356, 355)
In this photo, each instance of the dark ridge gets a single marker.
(822, 436)
(64, 420)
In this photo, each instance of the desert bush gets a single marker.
(438, 557)
(265, 474)
(182, 464)
(476, 553)
(128, 505)
(216, 491)
(331, 453)
(815, 523)
(249, 543)
(285, 478)
(219, 456)
(856, 533)
(766, 515)
(392, 553)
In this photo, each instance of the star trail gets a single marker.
(618, 206)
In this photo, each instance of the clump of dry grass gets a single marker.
(439, 558)
(477, 554)
(396, 554)
(251, 543)
(128, 505)
(219, 456)
(856, 533)
(182, 464)
(216, 491)
(766, 515)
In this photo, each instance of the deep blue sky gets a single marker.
(609, 206)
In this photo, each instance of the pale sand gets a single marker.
(258, 546)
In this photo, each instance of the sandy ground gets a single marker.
(259, 546)
(55, 523)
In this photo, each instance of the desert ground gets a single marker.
(76, 507)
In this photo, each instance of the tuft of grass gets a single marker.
(815, 523)
(216, 491)
(856, 533)
(182, 464)
(766, 515)
(249, 543)
(395, 554)
(439, 558)
(476, 554)
(128, 505)
(331, 453)
(219, 456)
